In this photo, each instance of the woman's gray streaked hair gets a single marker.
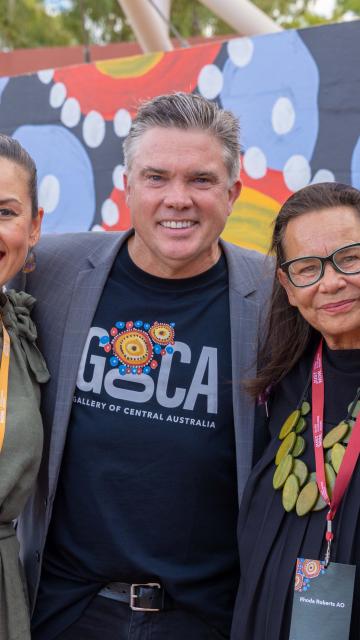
(187, 111)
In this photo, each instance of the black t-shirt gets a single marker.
(147, 490)
(270, 540)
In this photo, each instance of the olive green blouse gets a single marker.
(20, 456)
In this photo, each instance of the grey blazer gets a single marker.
(68, 281)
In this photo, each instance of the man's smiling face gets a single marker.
(179, 196)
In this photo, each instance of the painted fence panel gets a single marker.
(297, 95)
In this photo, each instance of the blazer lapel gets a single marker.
(86, 294)
(244, 317)
(244, 324)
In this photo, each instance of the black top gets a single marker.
(270, 539)
(147, 490)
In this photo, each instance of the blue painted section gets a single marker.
(355, 166)
(58, 152)
(281, 67)
(3, 83)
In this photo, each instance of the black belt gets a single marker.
(140, 597)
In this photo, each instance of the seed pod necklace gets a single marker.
(298, 485)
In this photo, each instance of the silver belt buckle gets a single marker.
(133, 595)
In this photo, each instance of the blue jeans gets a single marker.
(106, 619)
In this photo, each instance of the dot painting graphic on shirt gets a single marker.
(135, 345)
(121, 375)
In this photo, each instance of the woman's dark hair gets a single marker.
(288, 334)
(12, 150)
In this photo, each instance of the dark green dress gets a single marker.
(20, 456)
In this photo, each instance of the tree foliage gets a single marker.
(351, 6)
(25, 23)
(192, 18)
(97, 22)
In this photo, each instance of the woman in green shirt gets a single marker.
(22, 368)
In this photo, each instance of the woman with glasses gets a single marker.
(299, 527)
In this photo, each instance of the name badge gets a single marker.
(322, 600)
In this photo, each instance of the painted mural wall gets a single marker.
(297, 95)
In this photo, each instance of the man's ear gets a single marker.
(285, 282)
(234, 193)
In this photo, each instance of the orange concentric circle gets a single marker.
(299, 582)
(133, 347)
(162, 333)
(311, 568)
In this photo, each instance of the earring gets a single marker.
(30, 262)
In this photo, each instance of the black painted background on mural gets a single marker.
(336, 50)
(25, 101)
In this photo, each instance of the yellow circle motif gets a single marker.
(133, 347)
(162, 333)
(311, 568)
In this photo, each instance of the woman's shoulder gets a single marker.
(16, 307)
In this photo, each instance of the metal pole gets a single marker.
(85, 33)
(149, 28)
(243, 16)
(168, 23)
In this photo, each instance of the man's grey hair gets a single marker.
(187, 111)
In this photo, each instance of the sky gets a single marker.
(324, 7)
(321, 7)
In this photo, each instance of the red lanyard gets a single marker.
(350, 457)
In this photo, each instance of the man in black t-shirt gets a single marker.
(131, 533)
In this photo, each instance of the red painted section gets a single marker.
(96, 91)
(20, 61)
(272, 185)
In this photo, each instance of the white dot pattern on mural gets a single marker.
(49, 193)
(283, 116)
(118, 177)
(297, 172)
(254, 162)
(70, 113)
(122, 123)
(94, 129)
(57, 95)
(323, 175)
(46, 75)
(109, 213)
(210, 81)
(240, 51)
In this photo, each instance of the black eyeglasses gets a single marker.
(305, 271)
